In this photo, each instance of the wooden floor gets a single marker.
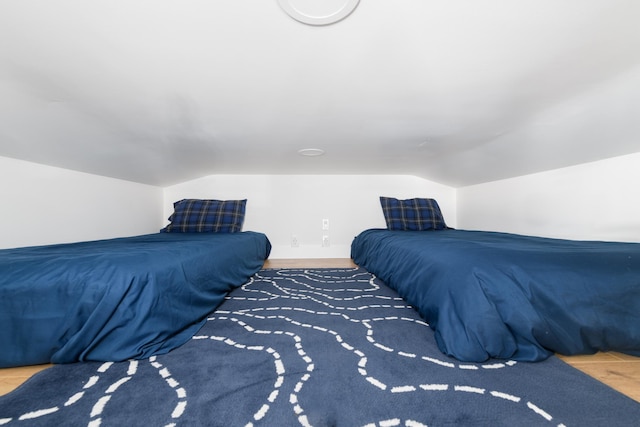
(619, 371)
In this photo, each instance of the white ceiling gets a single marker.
(456, 91)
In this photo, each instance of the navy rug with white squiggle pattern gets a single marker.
(315, 347)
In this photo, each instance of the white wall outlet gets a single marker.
(325, 241)
(325, 224)
(294, 241)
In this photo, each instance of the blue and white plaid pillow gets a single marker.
(206, 216)
(412, 214)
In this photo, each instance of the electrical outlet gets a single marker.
(325, 241)
(294, 241)
(325, 224)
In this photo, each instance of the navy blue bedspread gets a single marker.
(500, 295)
(116, 299)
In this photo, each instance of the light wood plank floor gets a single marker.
(619, 371)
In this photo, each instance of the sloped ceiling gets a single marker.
(457, 91)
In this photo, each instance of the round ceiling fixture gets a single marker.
(311, 152)
(318, 12)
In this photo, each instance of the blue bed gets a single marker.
(498, 295)
(112, 300)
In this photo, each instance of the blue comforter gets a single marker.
(497, 295)
(112, 300)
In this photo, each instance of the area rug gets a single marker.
(320, 347)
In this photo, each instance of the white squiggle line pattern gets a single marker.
(38, 413)
(98, 407)
(366, 323)
(324, 279)
(371, 281)
(73, 399)
(363, 360)
(321, 297)
(280, 368)
(393, 422)
(298, 294)
(181, 393)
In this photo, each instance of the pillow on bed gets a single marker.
(412, 214)
(206, 216)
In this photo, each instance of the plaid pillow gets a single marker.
(412, 214)
(212, 216)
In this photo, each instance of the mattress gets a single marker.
(115, 299)
(500, 295)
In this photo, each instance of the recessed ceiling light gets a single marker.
(311, 152)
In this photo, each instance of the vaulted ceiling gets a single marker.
(457, 91)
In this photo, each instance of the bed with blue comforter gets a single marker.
(499, 295)
(117, 299)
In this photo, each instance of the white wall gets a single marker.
(591, 201)
(44, 205)
(284, 205)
